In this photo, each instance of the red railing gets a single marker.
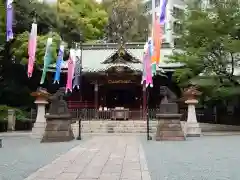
(79, 104)
(93, 114)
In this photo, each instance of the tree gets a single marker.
(68, 18)
(20, 48)
(65, 17)
(209, 44)
(127, 20)
(87, 18)
(92, 16)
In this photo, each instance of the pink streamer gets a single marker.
(70, 70)
(148, 70)
(32, 46)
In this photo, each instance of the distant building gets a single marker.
(174, 9)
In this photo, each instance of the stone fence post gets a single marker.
(11, 119)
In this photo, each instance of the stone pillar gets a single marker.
(11, 119)
(40, 124)
(192, 128)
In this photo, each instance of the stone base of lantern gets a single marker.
(192, 129)
(38, 130)
(40, 124)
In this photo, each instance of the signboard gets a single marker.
(119, 81)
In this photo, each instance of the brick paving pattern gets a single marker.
(103, 158)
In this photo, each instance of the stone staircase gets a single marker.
(138, 127)
(104, 126)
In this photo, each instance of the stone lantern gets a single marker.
(41, 101)
(192, 128)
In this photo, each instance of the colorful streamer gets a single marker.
(147, 73)
(32, 46)
(77, 69)
(9, 22)
(144, 73)
(157, 34)
(59, 64)
(157, 38)
(47, 59)
(71, 62)
(149, 81)
(162, 14)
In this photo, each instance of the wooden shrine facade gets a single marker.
(112, 75)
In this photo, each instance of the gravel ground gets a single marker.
(204, 158)
(21, 156)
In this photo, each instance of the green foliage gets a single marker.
(69, 18)
(209, 45)
(20, 47)
(213, 89)
(3, 112)
(127, 20)
(20, 114)
(26, 10)
(86, 17)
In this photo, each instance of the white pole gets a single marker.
(153, 12)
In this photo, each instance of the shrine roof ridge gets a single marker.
(129, 45)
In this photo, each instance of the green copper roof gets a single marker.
(94, 55)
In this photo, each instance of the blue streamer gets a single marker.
(59, 64)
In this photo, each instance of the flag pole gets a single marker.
(153, 13)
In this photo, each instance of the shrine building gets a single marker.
(112, 74)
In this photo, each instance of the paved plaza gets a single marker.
(121, 158)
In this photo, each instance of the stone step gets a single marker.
(180, 138)
(171, 126)
(171, 133)
(172, 129)
(169, 122)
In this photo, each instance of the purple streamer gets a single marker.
(163, 5)
(9, 7)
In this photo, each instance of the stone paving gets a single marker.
(21, 156)
(121, 158)
(103, 158)
(204, 158)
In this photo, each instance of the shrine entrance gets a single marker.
(123, 95)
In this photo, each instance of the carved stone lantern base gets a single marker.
(192, 128)
(41, 96)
